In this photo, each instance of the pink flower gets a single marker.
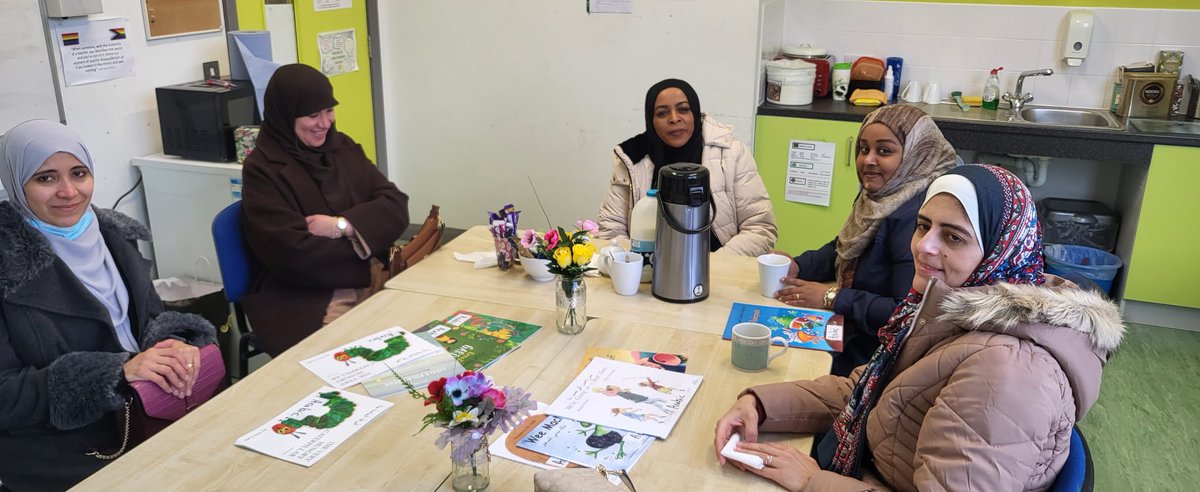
(551, 239)
(588, 226)
(529, 239)
(496, 396)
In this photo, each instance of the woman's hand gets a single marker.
(784, 464)
(744, 417)
(326, 226)
(802, 293)
(171, 364)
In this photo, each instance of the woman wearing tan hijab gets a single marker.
(866, 271)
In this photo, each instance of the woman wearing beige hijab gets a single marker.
(866, 271)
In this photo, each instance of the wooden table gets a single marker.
(732, 279)
(197, 453)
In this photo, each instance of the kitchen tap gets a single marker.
(1017, 100)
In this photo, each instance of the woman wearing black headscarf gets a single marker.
(676, 131)
(317, 214)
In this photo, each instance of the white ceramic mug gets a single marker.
(771, 268)
(625, 269)
(933, 94)
(752, 345)
(911, 92)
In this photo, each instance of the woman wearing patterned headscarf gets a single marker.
(900, 151)
(79, 318)
(318, 215)
(676, 131)
(982, 370)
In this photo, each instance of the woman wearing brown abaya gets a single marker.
(317, 214)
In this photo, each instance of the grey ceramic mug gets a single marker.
(752, 345)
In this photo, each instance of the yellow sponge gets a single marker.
(973, 100)
(867, 97)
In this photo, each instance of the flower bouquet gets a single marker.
(569, 255)
(469, 407)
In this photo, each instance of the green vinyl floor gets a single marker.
(1144, 431)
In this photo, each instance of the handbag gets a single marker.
(426, 241)
(149, 409)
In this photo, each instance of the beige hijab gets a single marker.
(927, 155)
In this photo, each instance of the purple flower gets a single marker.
(458, 389)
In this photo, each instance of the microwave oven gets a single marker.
(197, 118)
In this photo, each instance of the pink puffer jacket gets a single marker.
(987, 388)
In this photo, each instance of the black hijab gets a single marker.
(649, 143)
(299, 90)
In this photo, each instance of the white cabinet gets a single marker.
(182, 197)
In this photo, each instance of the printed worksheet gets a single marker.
(626, 396)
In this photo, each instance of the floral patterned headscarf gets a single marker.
(1006, 221)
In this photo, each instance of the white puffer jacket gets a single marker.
(744, 222)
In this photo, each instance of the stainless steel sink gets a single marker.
(1072, 117)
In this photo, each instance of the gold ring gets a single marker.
(770, 458)
(190, 365)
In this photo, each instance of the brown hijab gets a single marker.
(299, 90)
(927, 155)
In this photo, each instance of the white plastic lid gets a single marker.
(791, 64)
(804, 50)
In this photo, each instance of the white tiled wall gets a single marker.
(957, 44)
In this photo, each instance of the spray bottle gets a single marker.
(991, 90)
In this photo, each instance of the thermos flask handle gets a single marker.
(712, 213)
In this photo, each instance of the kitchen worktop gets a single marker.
(994, 131)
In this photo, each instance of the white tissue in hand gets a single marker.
(730, 451)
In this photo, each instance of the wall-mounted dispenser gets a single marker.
(1080, 24)
(72, 8)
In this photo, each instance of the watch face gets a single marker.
(341, 224)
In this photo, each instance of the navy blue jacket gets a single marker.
(883, 277)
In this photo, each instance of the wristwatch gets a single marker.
(342, 224)
(830, 297)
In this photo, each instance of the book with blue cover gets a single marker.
(813, 329)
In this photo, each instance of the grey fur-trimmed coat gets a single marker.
(61, 367)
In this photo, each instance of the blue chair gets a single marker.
(238, 267)
(1077, 473)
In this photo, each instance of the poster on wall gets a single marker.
(338, 52)
(319, 5)
(93, 50)
(809, 172)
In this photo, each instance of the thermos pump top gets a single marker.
(682, 236)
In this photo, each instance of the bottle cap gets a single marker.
(652, 192)
(997, 70)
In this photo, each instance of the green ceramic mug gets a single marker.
(752, 345)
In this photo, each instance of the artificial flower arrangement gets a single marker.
(569, 253)
(470, 407)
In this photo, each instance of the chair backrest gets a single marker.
(1077, 473)
(233, 257)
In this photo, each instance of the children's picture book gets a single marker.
(472, 349)
(316, 425)
(368, 357)
(582, 443)
(504, 329)
(802, 328)
(621, 395)
(505, 446)
(670, 362)
(418, 373)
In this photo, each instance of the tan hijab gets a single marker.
(927, 155)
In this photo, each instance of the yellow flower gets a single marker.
(562, 256)
(583, 253)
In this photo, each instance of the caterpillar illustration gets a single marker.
(339, 409)
(395, 345)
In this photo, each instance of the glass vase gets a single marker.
(570, 301)
(471, 473)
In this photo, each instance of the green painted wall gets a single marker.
(1139, 4)
(803, 226)
(251, 15)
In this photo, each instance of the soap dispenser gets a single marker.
(1080, 24)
